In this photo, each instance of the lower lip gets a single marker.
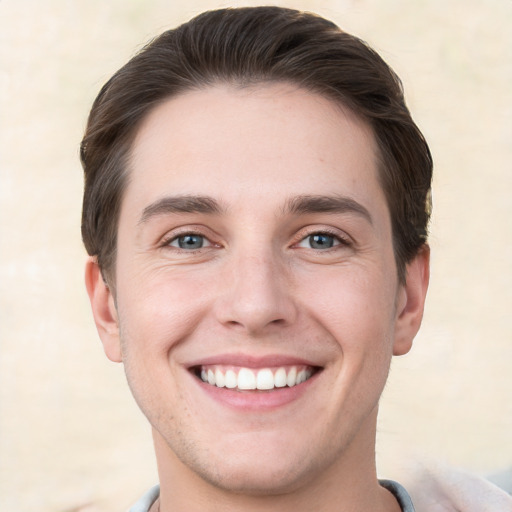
(257, 400)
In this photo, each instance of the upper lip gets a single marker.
(251, 361)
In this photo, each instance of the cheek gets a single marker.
(157, 312)
(158, 308)
(358, 315)
(352, 305)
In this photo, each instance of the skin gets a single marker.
(258, 288)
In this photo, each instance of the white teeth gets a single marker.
(220, 381)
(263, 379)
(246, 379)
(280, 378)
(291, 378)
(231, 379)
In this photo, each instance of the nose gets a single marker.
(257, 295)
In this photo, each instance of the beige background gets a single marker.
(71, 437)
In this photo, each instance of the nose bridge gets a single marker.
(257, 291)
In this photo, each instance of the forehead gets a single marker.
(258, 142)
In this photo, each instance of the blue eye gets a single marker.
(189, 241)
(320, 241)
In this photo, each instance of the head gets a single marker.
(256, 200)
(245, 47)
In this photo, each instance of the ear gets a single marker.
(103, 310)
(411, 301)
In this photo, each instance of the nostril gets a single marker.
(234, 323)
(278, 321)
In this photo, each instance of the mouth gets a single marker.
(254, 379)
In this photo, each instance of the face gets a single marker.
(257, 302)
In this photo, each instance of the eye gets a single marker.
(189, 241)
(320, 241)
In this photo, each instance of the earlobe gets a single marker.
(103, 310)
(412, 301)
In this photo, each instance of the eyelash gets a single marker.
(167, 241)
(340, 239)
(304, 236)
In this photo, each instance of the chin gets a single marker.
(267, 478)
(258, 467)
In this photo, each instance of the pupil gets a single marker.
(321, 241)
(190, 242)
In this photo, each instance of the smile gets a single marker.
(244, 379)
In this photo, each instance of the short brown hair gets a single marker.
(247, 46)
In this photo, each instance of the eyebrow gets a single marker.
(326, 204)
(298, 205)
(180, 204)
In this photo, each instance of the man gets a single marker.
(255, 210)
